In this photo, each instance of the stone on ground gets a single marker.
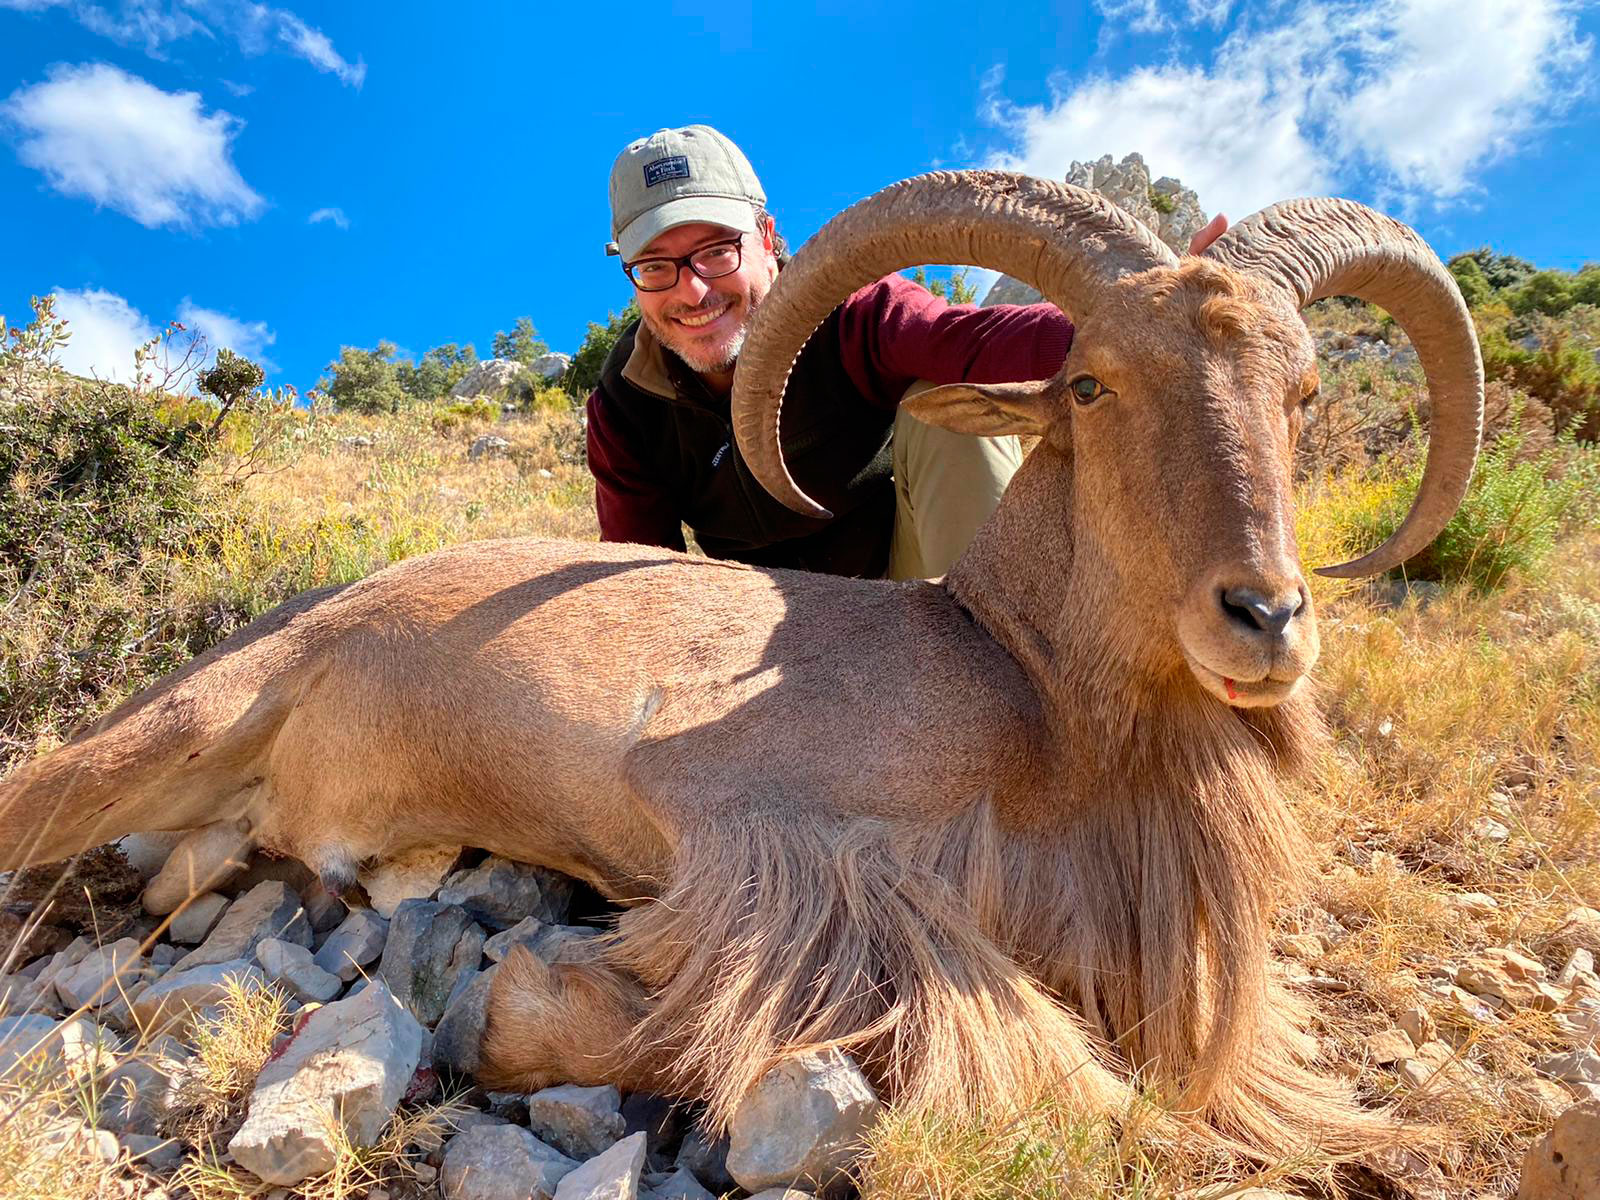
(803, 1123)
(103, 976)
(30, 1039)
(172, 1001)
(680, 1185)
(357, 942)
(431, 945)
(291, 965)
(457, 1037)
(1389, 1046)
(613, 1175)
(147, 853)
(195, 923)
(205, 859)
(1577, 1066)
(502, 1162)
(349, 1062)
(580, 1121)
(268, 910)
(1418, 1025)
(1565, 1163)
(499, 893)
(414, 875)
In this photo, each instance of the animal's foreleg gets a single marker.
(565, 1022)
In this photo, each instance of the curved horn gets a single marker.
(1068, 243)
(1318, 248)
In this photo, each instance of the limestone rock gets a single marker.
(1418, 1025)
(804, 1122)
(551, 366)
(1515, 964)
(103, 978)
(501, 1162)
(172, 1001)
(87, 1050)
(680, 1185)
(492, 378)
(546, 941)
(349, 1062)
(203, 860)
(430, 946)
(1580, 963)
(1167, 208)
(414, 875)
(28, 1038)
(1581, 928)
(1578, 1066)
(487, 445)
(357, 942)
(457, 1037)
(1389, 1046)
(268, 910)
(580, 1121)
(706, 1160)
(613, 1175)
(291, 965)
(499, 893)
(1565, 1163)
(1474, 904)
(195, 923)
(156, 1154)
(147, 853)
(140, 1092)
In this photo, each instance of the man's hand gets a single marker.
(1214, 230)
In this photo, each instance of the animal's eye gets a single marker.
(1086, 389)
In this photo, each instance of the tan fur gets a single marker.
(999, 836)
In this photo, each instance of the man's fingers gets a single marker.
(1213, 230)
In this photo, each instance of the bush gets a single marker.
(1515, 508)
(365, 381)
(99, 491)
(584, 374)
(1562, 376)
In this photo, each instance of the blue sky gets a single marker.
(291, 180)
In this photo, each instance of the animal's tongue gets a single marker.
(1228, 683)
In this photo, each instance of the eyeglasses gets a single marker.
(708, 262)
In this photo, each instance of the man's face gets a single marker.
(704, 321)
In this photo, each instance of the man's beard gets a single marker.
(721, 358)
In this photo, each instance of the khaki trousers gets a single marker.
(946, 485)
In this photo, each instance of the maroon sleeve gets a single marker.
(632, 505)
(894, 332)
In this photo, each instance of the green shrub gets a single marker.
(99, 491)
(1515, 508)
(1565, 377)
(584, 374)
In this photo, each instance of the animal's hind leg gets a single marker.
(564, 1022)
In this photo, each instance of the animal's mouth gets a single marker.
(1261, 692)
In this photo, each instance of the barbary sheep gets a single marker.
(1013, 832)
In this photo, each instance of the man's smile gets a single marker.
(699, 318)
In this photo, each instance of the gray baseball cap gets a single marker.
(677, 177)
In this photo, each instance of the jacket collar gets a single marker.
(652, 368)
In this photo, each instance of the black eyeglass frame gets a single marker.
(687, 260)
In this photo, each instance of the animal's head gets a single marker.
(1175, 417)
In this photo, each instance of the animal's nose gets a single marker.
(1255, 610)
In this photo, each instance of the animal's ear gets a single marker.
(987, 409)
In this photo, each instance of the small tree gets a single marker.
(1469, 276)
(229, 380)
(365, 380)
(440, 370)
(522, 344)
(584, 374)
(955, 290)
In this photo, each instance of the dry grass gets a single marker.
(213, 1087)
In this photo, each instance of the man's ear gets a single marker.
(987, 409)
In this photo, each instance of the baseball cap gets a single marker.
(677, 177)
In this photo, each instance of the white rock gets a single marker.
(613, 1175)
(580, 1121)
(268, 910)
(28, 1039)
(1579, 1066)
(1579, 963)
(414, 875)
(203, 860)
(103, 976)
(491, 377)
(87, 1050)
(191, 926)
(349, 1063)
(804, 1123)
(551, 366)
(501, 1162)
(291, 965)
(147, 853)
(173, 1000)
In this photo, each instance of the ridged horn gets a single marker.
(1066, 242)
(1326, 247)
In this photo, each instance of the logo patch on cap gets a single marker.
(676, 167)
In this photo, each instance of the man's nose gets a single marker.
(690, 288)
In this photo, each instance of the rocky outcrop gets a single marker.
(1171, 210)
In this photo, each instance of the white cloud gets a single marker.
(317, 49)
(155, 156)
(105, 331)
(249, 338)
(1406, 99)
(336, 215)
(156, 24)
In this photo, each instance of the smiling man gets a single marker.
(690, 225)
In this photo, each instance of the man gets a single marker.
(689, 223)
